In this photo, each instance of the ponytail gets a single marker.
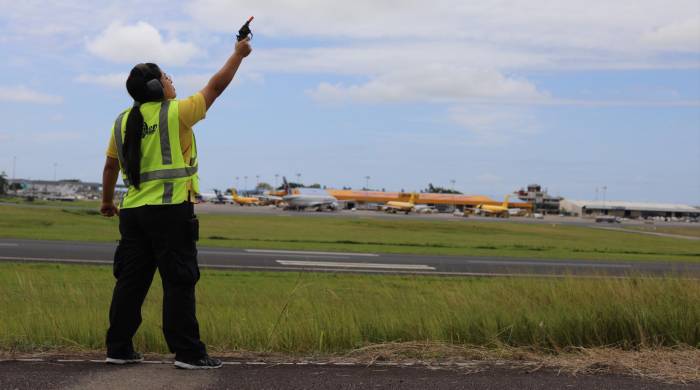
(144, 86)
(132, 145)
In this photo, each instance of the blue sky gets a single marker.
(572, 95)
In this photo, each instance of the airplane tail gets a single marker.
(505, 201)
(287, 190)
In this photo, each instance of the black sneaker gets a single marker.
(203, 363)
(134, 357)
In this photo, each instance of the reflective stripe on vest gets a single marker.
(165, 153)
(164, 176)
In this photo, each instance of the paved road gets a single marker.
(85, 375)
(276, 260)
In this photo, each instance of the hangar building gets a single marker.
(629, 209)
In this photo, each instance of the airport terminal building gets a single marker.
(55, 190)
(540, 200)
(633, 210)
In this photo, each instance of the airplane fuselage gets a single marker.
(395, 206)
(246, 201)
(498, 211)
(303, 201)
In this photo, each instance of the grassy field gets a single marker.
(678, 230)
(92, 204)
(55, 306)
(77, 221)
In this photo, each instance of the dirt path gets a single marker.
(243, 375)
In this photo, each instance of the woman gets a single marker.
(153, 145)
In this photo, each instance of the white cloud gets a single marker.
(112, 80)
(23, 94)
(433, 83)
(494, 126)
(594, 24)
(455, 51)
(140, 42)
(54, 136)
(41, 138)
(118, 80)
(683, 35)
(185, 84)
(195, 82)
(385, 57)
(58, 117)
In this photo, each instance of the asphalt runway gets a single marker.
(12, 250)
(255, 375)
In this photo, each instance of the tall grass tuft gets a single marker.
(56, 306)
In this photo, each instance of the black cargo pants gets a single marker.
(162, 237)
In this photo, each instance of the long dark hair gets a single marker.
(142, 89)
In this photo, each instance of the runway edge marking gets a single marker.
(275, 251)
(355, 265)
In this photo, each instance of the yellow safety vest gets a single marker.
(164, 173)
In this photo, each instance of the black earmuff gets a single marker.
(155, 90)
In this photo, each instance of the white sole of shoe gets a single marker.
(122, 361)
(186, 366)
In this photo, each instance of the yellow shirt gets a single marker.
(192, 110)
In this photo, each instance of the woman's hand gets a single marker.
(243, 48)
(109, 209)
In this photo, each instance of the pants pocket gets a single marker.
(181, 268)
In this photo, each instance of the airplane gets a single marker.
(394, 206)
(309, 198)
(221, 198)
(497, 211)
(244, 200)
(267, 199)
(212, 197)
(424, 209)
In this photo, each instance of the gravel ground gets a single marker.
(90, 375)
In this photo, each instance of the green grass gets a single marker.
(442, 237)
(94, 204)
(689, 231)
(59, 306)
(450, 237)
(53, 223)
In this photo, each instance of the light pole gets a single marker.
(257, 181)
(299, 179)
(245, 182)
(605, 190)
(276, 176)
(238, 183)
(367, 182)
